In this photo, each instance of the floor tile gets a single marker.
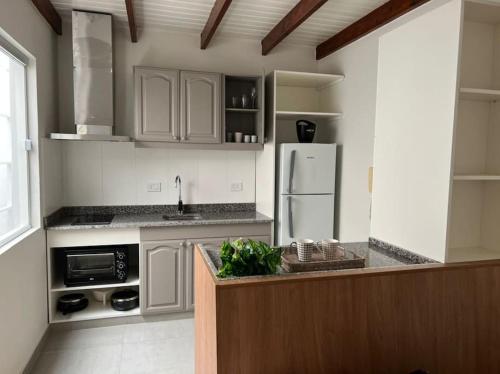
(154, 331)
(160, 347)
(83, 338)
(160, 356)
(96, 360)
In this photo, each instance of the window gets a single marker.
(14, 173)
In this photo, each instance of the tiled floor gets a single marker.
(165, 347)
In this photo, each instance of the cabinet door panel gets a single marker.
(157, 102)
(189, 286)
(162, 276)
(200, 107)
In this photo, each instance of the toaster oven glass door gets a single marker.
(91, 266)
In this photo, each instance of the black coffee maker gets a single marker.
(305, 130)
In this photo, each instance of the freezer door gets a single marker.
(307, 168)
(305, 217)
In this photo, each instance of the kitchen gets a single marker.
(148, 152)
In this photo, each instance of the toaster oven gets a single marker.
(95, 265)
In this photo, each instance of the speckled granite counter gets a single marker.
(152, 216)
(375, 257)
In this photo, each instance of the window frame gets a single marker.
(14, 53)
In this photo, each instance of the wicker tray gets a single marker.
(291, 263)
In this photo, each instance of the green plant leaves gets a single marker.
(248, 257)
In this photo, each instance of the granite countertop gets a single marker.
(375, 257)
(152, 216)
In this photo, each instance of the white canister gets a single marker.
(254, 138)
(238, 137)
(246, 138)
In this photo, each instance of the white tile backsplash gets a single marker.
(184, 163)
(151, 166)
(212, 176)
(118, 173)
(82, 173)
(104, 173)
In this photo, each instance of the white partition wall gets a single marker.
(475, 208)
(415, 115)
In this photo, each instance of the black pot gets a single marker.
(305, 130)
(125, 300)
(73, 302)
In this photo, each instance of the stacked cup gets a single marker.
(329, 248)
(305, 248)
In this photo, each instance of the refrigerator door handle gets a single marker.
(290, 217)
(292, 168)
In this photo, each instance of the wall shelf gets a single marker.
(292, 115)
(479, 177)
(303, 79)
(95, 310)
(58, 285)
(479, 94)
(232, 146)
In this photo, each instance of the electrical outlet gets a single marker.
(154, 187)
(237, 186)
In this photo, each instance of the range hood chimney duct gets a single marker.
(92, 78)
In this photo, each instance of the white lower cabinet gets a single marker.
(167, 262)
(168, 274)
(189, 268)
(162, 288)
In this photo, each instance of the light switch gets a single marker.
(154, 187)
(237, 186)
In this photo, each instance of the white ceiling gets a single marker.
(244, 18)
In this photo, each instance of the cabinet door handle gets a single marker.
(182, 244)
(183, 138)
(189, 244)
(290, 217)
(175, 137)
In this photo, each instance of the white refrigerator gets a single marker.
(306, 192)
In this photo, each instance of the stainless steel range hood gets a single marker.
(92, 78)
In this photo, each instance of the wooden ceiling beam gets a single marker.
(131, 20)
(48, 11)
(377, 18)
(300, 12)
(219, 9)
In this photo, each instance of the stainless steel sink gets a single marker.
(182, 217)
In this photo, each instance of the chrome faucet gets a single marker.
(178, 184)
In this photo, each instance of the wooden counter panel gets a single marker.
(205, 318)
(443, 321)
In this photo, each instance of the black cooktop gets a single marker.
(93, 219)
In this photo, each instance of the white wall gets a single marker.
(104, 173)
(356, 98)
(416, 95)
(23, 316)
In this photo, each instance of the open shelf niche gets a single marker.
(306, 96)
(247, 119)
(95, 309)
(475, 206)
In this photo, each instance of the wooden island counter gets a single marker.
(385, 318)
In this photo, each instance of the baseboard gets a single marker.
(120, 321)
(36, 353)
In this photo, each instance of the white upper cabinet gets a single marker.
(177, 106)
(157, 104)
(414, 130)
(200, 107)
